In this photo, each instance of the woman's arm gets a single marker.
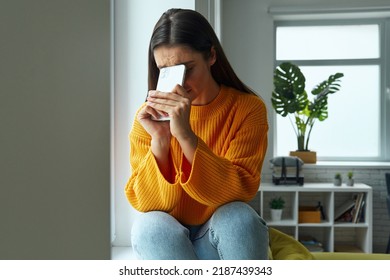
(235, 173)
(153, 184)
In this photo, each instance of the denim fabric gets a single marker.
(235, 231)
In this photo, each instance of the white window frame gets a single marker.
(383, 62)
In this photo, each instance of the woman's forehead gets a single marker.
(173, 55)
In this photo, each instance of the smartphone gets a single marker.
(169, 77)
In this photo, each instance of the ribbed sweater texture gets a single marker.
(232, 142)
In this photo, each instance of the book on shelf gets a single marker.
(312, 244)
(361, 212)
(342, 213)
(358, 207)
(346, 217)
(351, 211)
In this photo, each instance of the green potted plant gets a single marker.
(350, 179)
(337, 180)
(277, 205)
(289, 97)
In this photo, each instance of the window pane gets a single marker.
(327, 42)
(352, 128)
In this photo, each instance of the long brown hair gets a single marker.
(189, 28)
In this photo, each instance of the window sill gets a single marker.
(354, 164)
(122, 253)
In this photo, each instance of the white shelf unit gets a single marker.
(330, 233)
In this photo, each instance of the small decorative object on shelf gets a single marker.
(337, 180)
(321, 209)
(309, 214)
(277, 205)
(287, 170)
(350, 179)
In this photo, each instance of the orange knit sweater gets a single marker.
(232, 142)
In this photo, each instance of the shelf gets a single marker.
(352, 225)
(322, 224)
(282, 223)
(331, 197)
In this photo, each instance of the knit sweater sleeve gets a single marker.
(214, 179)
(147, 189)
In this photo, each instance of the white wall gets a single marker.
(55, 129)
(134, 24)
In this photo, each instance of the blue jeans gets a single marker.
(234, 232)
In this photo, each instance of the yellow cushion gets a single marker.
(284, 247)
(350, 256)
(269, 253)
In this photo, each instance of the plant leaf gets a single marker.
(289, 95)
(319, 106)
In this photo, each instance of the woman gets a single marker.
(192, 175)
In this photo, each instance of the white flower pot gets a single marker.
(276, 214)
(337, 182)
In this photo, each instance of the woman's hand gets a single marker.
(161, 138)
(177, 105)
(156, 129)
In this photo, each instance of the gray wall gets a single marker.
(55, 129)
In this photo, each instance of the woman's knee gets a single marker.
(238, 232)
(156, 227)
(157, 235)
(238, 215)
(236, 210)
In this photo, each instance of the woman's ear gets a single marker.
(213, 56)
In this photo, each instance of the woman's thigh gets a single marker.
(158, 236)
(235, 231)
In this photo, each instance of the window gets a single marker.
(356, 128)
